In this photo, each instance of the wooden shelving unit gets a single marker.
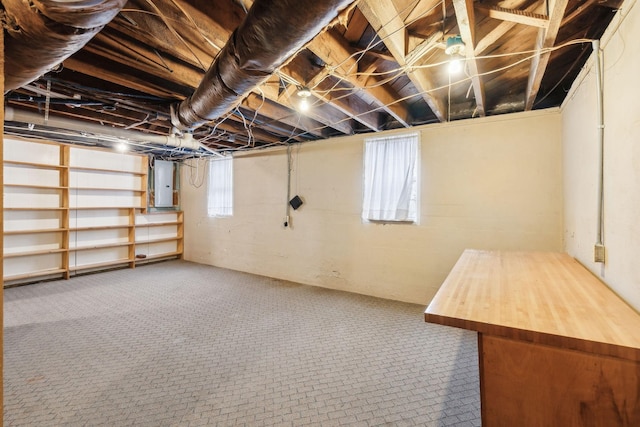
(94, 218)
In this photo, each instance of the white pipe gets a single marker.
(600, 125)
(186, 141)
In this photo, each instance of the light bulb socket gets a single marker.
(303, 92)
(454, 46)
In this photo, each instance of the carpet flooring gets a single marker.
(183, 344)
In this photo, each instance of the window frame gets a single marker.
(227, 187)
(415, 193)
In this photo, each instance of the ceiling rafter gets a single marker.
(277, 112)
(432, 42)
(545, 40)
(498, 32)
(363, 76)
(323, 88)
(324, 117)
(112, 48)
(121, 77)
(325, 46)
(515, 15)
(466, 25)
(331, 50)
(385, 20)
(579, 10)
(357, 25)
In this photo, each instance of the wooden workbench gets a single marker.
(556, 346)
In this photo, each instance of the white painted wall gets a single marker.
(492, 183)
(621, 160)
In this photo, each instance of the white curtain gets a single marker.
(390, 178)
(220, 191)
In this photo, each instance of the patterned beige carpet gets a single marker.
(182, 344)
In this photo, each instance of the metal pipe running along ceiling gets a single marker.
(40, 34)
(272, 32)
(95, 131)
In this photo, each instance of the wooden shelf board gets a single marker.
(41, 187)
(35, 274)
(103, 227)
(159, 240)
(86, 208)
(100, 264)
(157, 256)
(131, 190)
(34, 209)
(157, 224)
(35, 165)
(101, 246)
(34, 253)
(99, 170)
(44, 230)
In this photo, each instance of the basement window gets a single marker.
(220, 191)
(391, 179)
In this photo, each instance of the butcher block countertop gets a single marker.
(540, 297)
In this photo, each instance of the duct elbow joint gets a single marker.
(177, 124)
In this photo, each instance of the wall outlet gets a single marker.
(598, 253)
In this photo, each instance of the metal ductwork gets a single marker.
(272, 32)
(40, 34)
(184, 141)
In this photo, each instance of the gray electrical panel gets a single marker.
(163, 184)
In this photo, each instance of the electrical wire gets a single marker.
(333, 70)
(469, 78)
(197, 181)
(175, 33)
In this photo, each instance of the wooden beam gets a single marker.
(426, 46)
(282, 114)
(545, 40)
(349, 105)
(384, 19)
(325, 114)
(128, 52)
(578, 11)
(515, 15)
(145, 34)
(216, 32)
(122, 78)
(496, 34)
(466, 24)
(185, 76)
(329, 47)
(322, 84)
(356, 27)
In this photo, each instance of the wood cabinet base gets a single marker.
(526, 384)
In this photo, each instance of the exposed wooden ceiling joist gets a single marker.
(515, 15)
(379, 66)
(500, 31)
(466, 25)
(331, 50)
(545, 41)
(385, 20)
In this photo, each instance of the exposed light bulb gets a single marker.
(303, 93)
(304, 104)
(455, 65)
(122, 147)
